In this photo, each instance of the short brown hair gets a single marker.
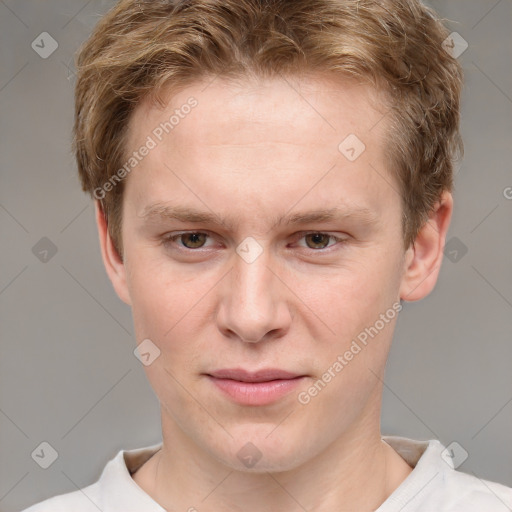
(141, 48)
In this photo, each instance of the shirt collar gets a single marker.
(119, 491)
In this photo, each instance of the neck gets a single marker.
(356, 472)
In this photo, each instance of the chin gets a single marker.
(257, 452)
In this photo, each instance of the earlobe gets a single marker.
(423, 259)
(114, 265)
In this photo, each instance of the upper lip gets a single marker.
(264, 375)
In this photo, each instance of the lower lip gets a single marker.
(256, 393)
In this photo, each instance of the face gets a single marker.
(252, 241)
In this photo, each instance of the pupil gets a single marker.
(317, 239)
(195, 239)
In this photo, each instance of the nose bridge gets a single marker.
(252, 307)
(251, 282)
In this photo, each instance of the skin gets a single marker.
(252, 151)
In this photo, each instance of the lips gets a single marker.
(259, 388)
(265, 375)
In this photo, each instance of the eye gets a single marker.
(189, 240)
(318, 240)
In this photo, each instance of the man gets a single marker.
(272, 180)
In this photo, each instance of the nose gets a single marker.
(254, 304)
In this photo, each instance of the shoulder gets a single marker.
(461, 491)
(83, 500)
(115, 489)
(435, 484)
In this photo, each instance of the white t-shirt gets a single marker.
(433, 485)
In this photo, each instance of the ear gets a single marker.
(114, 265)
(423, 258)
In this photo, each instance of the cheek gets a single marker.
(163, 309)
(171, 308)
(350, 298)
(350, 361)
(349, 303)
(159, 297)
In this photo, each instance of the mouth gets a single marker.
(265, 375)
(255, 388)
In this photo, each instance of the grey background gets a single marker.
(68, 373)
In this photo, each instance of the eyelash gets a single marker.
(171, 239)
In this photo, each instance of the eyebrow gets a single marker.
(164, 212)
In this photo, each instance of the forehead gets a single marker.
(320, 102)
(270, 140)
